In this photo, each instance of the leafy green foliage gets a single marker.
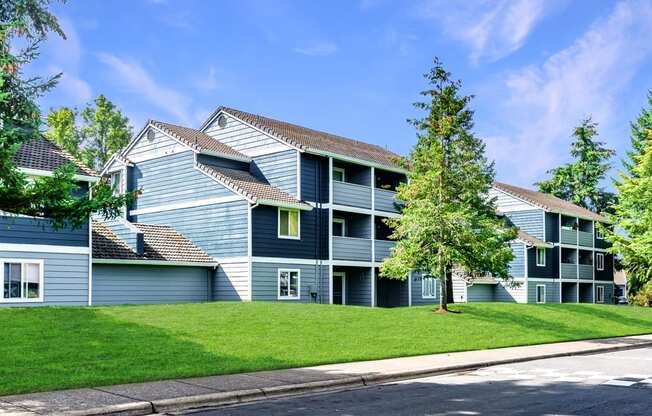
(102, 132)
(57, 197)
(447, 218)
(579, 181)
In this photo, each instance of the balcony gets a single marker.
(382, 249)
(384, 200)
(585, 239)
(569, 271)
(586, 271)
(351, 194)
(351, 248)
(568, 236)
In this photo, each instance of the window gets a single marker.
(288, 223)
(115, 180)
(599, 261)
(598, 233)
(339, 227)
(339, 174)
(428, 287)
(541, 257)
(22, 280)
(288, 284)
(541, 293)
(599, 294)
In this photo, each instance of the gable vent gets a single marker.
(150, 135)
(221, 121)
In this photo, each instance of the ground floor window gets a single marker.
(428, 287)
(22, 280)
(599, 294)
(288, 284)
(541, 293)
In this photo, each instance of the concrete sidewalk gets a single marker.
(174, 395)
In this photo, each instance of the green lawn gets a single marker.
(57, 348)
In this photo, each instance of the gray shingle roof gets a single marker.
(161, 243)
(198, 140)
(309, 139)
(248, 185)
(548, 202)
(43, 154)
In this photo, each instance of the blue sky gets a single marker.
(354, 68)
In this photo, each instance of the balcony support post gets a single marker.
(330, 230)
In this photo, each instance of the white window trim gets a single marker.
(23, 262)
(598, 290)
(343, 222)
(537, 294)
(278, 220)
(599, 264)
(278, 282)
(343, 276)
(119, 189)
(538, 250)
(424, 296)
(598, 234)
(342, 171)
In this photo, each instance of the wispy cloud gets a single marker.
(209, 81)
(318, 49)
(134, 78)
(544, 102)
(492, 29)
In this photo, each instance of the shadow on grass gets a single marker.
(612, 313)
(61, 348)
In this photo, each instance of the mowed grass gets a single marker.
(57, 348)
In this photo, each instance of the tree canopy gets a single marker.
(24, 25)
(579, 181)
(447, 217)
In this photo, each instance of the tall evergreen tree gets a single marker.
(447, 218)
(27, 23)
(631, 236)
(579, 181)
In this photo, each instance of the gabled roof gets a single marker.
(531, 240)
(315, 140)
(199, 140)
(251, 187)
(161, 244)
(548, 202)
(43, 154)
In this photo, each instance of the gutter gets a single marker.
(41, 172)
(155, 262)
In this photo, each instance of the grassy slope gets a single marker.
(56, 348)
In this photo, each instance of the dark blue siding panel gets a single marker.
(314, 235)
(550, 270)
(552, 227)
(23, 230)
(314, 178)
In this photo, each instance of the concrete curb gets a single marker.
(126, 409)
(245, 396)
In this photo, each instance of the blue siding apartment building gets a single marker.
(251, 208)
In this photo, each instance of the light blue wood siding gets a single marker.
(244, 138)
(134, 284)
(568, 271)
(232, 280)
(351, 194)
(347, 248)
(517, 265)
(569, 236)
(530, 221)
(23, 230)
(585, 239)
(220, 230)
(552, 291)
(173, 179)
(278, 169)
(265, 281)
(504, 292)
(480, 293)
(65, 278)
(384, 200)
(586, 271)
(417, 291)
(127, 233)
(383, 249)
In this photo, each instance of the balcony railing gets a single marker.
(586, 271)
(384, 200)
(351, 248)
(568, 236)
(351, 194)
(383, 249)
(585, 238)
(569, 271)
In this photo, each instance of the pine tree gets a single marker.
(447, 218)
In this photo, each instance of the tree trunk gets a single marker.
(449, 286)
(443, 298)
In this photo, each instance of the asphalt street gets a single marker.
(617, 383)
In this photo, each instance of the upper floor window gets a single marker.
(599, 261)
(339, 174)
(339, 227)
(541, 256)
(289, 284)
(115, 181)
(428, 287)
(289, 222)
(22, 280)
(598, 234)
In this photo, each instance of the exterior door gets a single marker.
(339, 288)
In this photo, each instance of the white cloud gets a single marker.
(492, 29)
(318, 49)
(76, 89)
(136, 79)
(544, 102)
